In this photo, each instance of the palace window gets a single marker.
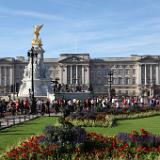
(133, 93)
(119, 80)
(119, 92)
(126, 92)
(99, 73)
(127, 71)
(133, 81)
(134, 71)
(127, 81)
(114, 81)
(120, 71)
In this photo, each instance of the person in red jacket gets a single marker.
(26, 106)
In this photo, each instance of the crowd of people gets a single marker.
(23, 106)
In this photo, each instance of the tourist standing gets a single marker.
(43, 108)
(48, 106)
(26, 106)
(13, 108)
(1, 109)
(21, 106)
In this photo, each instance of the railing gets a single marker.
(12, 120)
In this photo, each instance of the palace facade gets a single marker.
(135, 75)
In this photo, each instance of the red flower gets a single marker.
(140, 149)
(137, 156)
(24, 155)
(134, 132)
(123, 156)
(126, 145)
(131, 136)
(114, 144)
(142, 130)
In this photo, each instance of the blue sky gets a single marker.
(103, 28)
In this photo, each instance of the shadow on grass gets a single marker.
(27, 123)
(17, 134)
(8, 131)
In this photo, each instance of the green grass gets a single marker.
(13, 135)
(151, 124)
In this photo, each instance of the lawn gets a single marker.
(13, 135)
(151, 124)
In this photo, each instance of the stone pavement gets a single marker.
(11, 120)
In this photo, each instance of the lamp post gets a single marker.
(110, 74)
(55, 83)
(32, 54)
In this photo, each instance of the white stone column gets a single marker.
(5, 74)
(77, 74)
(145, 72)
(82, 74)
(157, 74)
(6, 78)
(71, 74)
(88, 80)
(11, 76)
(65, 74)
(61, 80)
(87, 75)
(139, 75)
(151, 76)
(0, 76)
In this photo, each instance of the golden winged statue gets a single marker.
(36, 40)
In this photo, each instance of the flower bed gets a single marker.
(69, 142)
(128, 110)
(91, 119)
(102, 119)
(92, 123)
(136, 115)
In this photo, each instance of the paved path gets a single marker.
(11, 120)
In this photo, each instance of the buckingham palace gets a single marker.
(134, 75)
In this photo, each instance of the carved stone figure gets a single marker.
(37, 29)
(37, 40)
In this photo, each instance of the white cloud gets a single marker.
(79, 4)
(123, 48)
(38, 15)
(29, 13)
